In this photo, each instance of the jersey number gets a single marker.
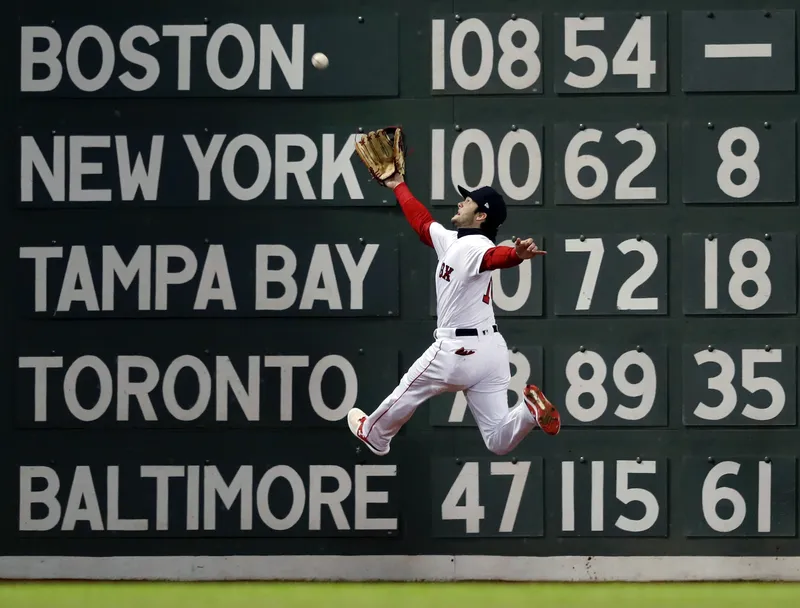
(487, 297)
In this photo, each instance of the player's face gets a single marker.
(465, 217)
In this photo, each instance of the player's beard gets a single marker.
(461, 220)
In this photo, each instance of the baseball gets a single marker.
(319, 61)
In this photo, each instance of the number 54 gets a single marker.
(638, 39)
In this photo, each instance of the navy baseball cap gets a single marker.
(490, 201)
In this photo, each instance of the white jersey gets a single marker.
(463, 292)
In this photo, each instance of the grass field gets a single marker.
(397, 595)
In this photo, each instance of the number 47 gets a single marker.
(638, 39)
(467, 484)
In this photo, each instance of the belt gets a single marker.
(471, 331)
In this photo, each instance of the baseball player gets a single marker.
(468, 353)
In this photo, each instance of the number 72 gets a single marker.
(625, 298)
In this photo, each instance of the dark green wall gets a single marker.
(396, 324)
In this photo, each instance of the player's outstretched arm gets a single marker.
(416, 213)
(508, 257)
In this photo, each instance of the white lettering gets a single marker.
(283, 275)
(78, 284)
(105, 383)
(78, 168)
(82, 503)
(89, 281)
(312, 495)
(136, 177)
(40, 255)
(184, 34)
(350, 388)
(270, 49)
(137, 380)
(247, 48)
(53, 176)
(333, 500)
(40, 365)
(79, 79)
(138, 58)
(364, 497)
(291, 67)
(299, 168)
(264, 159)
(165, 277)
(28, 497)
(195, 410)
(240, 487)
(162, 474)
(48, 57)
(115, 522)
(138, 269)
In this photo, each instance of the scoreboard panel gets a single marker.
(738, 495)
(652, 153)
(625, 162)
(610, 52)
(610, 274)
(739, 274)
(477, 52)
(487, 497)
(506, 156)
(738, 51)
(740, 385)
(626, 497)
(741, 161)
(608, 385)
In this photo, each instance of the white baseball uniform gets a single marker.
(478, 364)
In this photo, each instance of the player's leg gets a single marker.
(423, 380)
(501, 428)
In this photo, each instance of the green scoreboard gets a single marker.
(202, 280)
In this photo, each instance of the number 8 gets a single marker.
(744, 162)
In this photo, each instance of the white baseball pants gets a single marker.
(481, 371)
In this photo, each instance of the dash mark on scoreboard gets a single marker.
(736, 51)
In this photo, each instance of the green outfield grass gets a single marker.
(392, 595)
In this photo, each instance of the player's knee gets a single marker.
(495, 446)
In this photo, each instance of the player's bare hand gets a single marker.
(527, 249)
(395, 180)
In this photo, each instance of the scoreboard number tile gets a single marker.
(611, 385)
(492, 154)
(527, 366)
(738, 51)
(740, 274)
(739, 496)
(746, 161)
(625, 497)
(487, 497)
(486, 54)
(611, 163)
(739, 385)
(611, 52)
(610, 274)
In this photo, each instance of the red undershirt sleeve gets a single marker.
(416, 213)
(500, 257)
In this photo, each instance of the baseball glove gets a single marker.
(383, 151)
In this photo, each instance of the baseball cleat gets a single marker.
(355, 420)
(547, 416)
